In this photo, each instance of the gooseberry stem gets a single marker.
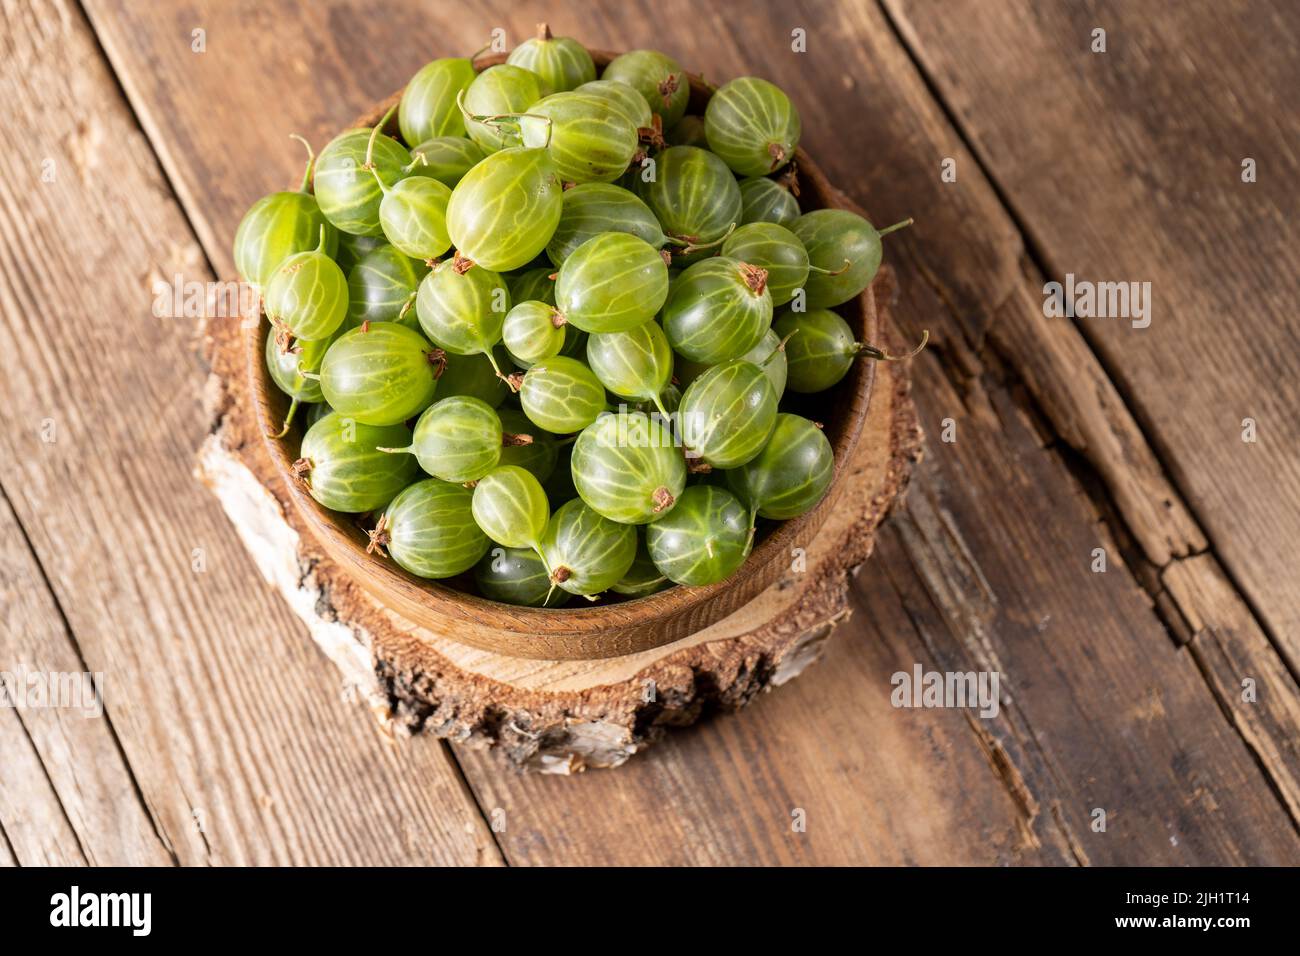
(370, 144)
(659, 404)
(505, 119)
(880, 355)
(293, 407)
(320, 246)
(314, 376)
(895, 227)
(311, 161)
(827, 272)
(496, 368)
(780, 347)
(408, 450)
(688, 245)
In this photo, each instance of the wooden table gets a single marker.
(1161, 691)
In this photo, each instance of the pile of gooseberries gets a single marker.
(553, 339)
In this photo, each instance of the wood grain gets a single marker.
(222, 708)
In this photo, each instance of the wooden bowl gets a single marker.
(602, 630)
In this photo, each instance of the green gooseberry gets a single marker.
(533, 331)
(498, 91)
(560, 63)
(511, 507)
(588, 139)
(768, 354)
(791, 473)
(636, 364)
(657, 77)
(461, 307)
(456, 439)
(475, 376)
(627, 466)
(820, 349)
(689, 131)
(352, 249)
(307, 294)
(766, 200)
(342, 468)
(752, 125)
(428, 105)
(717, 310)
(517, 576)
(526, 445)
(532, 285)
(287, 366)
(704, 539)
(446, 158)
(611, 283)
(670, 398)
(693, 194)
(382, 288)
(413, 216)
(587, 552)
(642, 577)
(348, 194)
(846, 248)
(776, 249)
(279, 225)
(380, 374)
(623, 98)
(505, 210)
(727, 414)
(561, 395)
(591, 209)
(429, 530)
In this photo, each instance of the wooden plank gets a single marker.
(67, 729)
(1150, 189)
(679, 813)
(222, 707)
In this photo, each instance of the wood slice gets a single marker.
(554, 716)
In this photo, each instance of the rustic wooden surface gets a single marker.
(227, 736)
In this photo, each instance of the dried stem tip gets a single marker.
(512, 441)
(755, 278)
(460, 265)
(560, 575)
(301, 469)
(378, 537)
(438, 359)
(663, 499)
(544, 31)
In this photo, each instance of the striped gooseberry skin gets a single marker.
(560, 63)
(413, 216)
(791, 473)
(752, 125)
(517, 576)
(352, 249)
(611, 283)
(286, 367)
(765, 200)
(532, 285)
(429, 530)
(511, 507)
(537, 456)
(474, 376)
(533, 331)
(382, 374)
(497, 90)
(821, 350)
(505, 210)
(462, 312)
(703, 540)
(589, 141)
(344, 471)
(561, 395)
(627, 467)
(308, 294)
(657, 77)
(381, 285)
(457, 439)
(623, 98)
(276, 227)
(776, 249)
(446, 158)
(594, 208)
(587, 552)
(642, 577)
(717, 310)
(728, 413)
(766, 355)
(347, 192)
(832, 238)
(694, 195)
(636, 364)
(428, 105)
